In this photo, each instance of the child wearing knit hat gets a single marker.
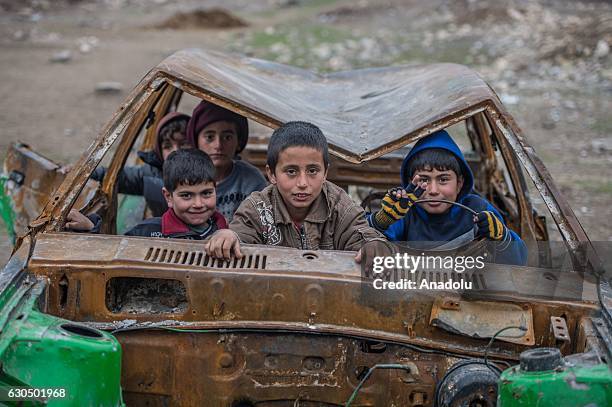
(222, 134)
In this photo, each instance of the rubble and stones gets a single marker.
(214, 18)
(108, 87)
(61, 57)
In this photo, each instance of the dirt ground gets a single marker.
(548, 60)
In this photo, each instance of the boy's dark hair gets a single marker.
(187, 167)
(434, 158)
(178, 125)
(296, 134)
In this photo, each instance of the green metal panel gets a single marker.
(42, 351)
(564, 387)
(6, 209)
(130, 212)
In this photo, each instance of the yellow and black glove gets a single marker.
(396, 205)
(490, 226)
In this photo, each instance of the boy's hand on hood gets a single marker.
(371, 250)
(76, 221)
(223, 244)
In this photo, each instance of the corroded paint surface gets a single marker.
(280, 325)
(361, 112)
(40, 178)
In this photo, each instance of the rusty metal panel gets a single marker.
(362, 112)
(273, 288)
(40, 178)
(282, 324)
(482, 319)
(270, 369)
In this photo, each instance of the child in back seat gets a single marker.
(189, 190)
(146, 179)
(222, 134)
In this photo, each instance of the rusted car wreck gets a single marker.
(286, 326)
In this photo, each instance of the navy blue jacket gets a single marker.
(456, 223)
(145, 180)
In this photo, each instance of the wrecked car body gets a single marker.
(291, 327)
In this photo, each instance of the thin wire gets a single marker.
(363, 380)
(467, 208)
(486, 353)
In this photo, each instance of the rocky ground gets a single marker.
(66, 65)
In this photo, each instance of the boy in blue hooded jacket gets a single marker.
(436, 169)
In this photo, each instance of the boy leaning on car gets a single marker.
(300, 208)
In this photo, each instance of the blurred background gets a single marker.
(66, 65)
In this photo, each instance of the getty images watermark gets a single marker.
(404, 271)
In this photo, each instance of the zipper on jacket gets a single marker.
(302, 237)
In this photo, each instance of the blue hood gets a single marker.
(440, 139)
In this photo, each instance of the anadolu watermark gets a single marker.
(404, 271)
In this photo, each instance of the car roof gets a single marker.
(363, 113)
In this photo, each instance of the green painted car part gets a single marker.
(6, 209)
(130, 212)
(544, 379)
(41, 351)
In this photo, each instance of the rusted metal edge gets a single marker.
(118, 269)
(14, 269)
(313, 329)
(524, 208)
(275, 122)
(138, 119)
(69, 190)
(555, 202)
(455, 320)
(217, 99)
(443, 123)
(604, 335)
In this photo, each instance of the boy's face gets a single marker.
(299, 176)
(193, 204)
(440, 185)
(220, 141)
(173, 143)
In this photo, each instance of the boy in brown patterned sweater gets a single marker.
(300, 208)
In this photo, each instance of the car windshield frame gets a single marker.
(183, 72)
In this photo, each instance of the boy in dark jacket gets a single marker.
(189, 190)
(146, 180)
(301, 209)
(436, 169)
(223, 134)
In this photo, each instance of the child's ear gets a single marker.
(270, 174)
(459, 183)
(167, 196)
